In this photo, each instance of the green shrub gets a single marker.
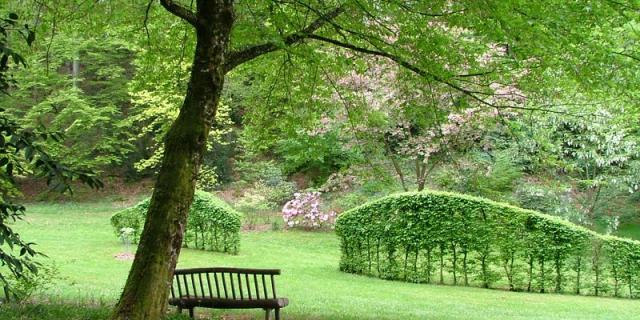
(262, 197)
(207, 178)
(264, 186)
(458, 239)
(212, 224)
(21, 289)
(481, 174)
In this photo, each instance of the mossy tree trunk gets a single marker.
(147, 288)
(146, 291)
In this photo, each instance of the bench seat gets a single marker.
(217, 303)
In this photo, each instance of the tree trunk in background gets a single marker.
(396, 165)
(75, 70)
(420, 169)
(147, 288)
(422, 172)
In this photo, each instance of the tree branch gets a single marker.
(237, 58)
(628, 55)
(473, 94)
(404, 64)
(146, 20)
(429, 14)
(180, 11)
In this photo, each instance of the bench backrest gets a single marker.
(225, 283)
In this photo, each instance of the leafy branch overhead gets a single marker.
(9, 26)
(450, 46)
(350, 42)
(444, 43)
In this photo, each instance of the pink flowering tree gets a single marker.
(304, 211)
(427, 147)
(413, 127)
(417, 125)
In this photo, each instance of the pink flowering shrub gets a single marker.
(303, 211)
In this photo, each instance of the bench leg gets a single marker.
(277, 313)
(191, 313)
(180, 310)
(267, 314)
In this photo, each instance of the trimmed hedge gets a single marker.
(447, 238)
(212, 224)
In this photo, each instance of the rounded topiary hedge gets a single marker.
(439, 237)
(212, 224)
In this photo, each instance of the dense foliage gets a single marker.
(212, 224)
(438, 237)
(21, 153)
(116, 87)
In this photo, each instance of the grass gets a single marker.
(629, 230)
(80, 241)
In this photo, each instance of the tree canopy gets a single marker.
(157, 87)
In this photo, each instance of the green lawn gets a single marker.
(630, 230)
(79, 239)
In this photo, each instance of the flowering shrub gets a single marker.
(303, 211)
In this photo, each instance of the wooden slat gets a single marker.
(233, 289)
(240, 286)
(273, 287)
(264, 287)
(201, 285)
(193, 285)
(173, 293)
(246, 280)
(215, 277)
(224, 285)
(209, 285)
(186, 284)
(255, 281)
(179, 287)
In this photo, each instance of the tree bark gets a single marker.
(396, 165)
(146, 291)
(422, 172)
(419, 174)
(147, 288)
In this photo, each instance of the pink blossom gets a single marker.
(304, 211)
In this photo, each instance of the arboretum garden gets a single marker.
(313, 159)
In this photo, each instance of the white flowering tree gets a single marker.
(598, 151)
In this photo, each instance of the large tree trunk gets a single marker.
(146, 291)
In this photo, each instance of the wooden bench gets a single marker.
(226, 288)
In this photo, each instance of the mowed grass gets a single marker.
(80, 241)
(629, 230)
